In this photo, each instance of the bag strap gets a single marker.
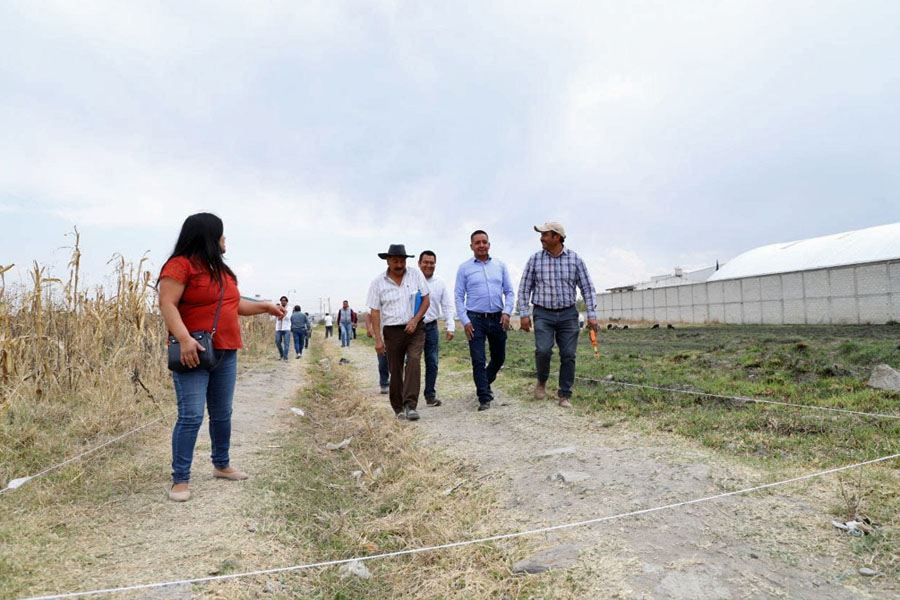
(218, 308)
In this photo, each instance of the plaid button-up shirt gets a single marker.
(550, 282)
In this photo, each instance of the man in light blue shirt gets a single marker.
(484, 301)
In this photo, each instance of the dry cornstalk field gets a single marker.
(79, 366)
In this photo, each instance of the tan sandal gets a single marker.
(182, 496)
(233, 474)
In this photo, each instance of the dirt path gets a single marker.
(143, 537)
(775, 544)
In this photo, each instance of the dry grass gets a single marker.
(314, 504)
(76, 366)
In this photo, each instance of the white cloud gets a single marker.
(323, 131)
(618, 266)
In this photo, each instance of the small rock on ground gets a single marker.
(354, 568)
(339, 445)
(569, 476)
(555, 451)
(554, 558)
(867, 572)
(885, 378)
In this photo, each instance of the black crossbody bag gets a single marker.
(207, 358)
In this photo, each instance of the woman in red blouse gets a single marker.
(190, 284)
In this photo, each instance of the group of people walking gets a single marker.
(198, 292)
(296, 326)
(404, 305)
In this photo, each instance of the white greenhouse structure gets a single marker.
(845, 278)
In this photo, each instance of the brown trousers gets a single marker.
(404, 354)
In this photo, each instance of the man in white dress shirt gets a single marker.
(441, 306)
(398, 300)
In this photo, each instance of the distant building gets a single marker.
(850, 277)
(678, 277)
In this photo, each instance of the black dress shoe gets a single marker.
(484, 406)
(432, 402)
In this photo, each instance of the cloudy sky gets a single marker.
(659, 133)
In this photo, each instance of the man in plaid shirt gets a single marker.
(549, 282)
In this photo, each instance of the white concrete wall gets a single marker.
(857, 294)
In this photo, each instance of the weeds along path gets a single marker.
(138, 535)
(767, 545)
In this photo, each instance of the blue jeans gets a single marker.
(346, 333)
(193, 391)
(384, 373)
(285, 347)
(299, 339)
(563, 326)
(432, 346)
(491, 330)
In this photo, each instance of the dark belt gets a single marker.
(554, 309)
(493, 315)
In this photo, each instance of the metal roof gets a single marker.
(852, 247)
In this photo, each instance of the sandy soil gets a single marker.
(144, 538)
(777, 544)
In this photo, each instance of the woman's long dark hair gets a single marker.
(199, 239)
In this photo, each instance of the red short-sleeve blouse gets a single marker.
(200, 298)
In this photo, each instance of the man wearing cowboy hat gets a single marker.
(398, 300)
(549, 281)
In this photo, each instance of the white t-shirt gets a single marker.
(283, 324)
(328, 321)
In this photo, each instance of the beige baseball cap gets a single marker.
(551, 226)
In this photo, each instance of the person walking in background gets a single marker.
(354, 319)
(398, 300)
(484, 301)
(345, 319)
(299, 325)
(190, 284)
(384, 374)
(329, 325)
(549, 281)
(283, 332)
(308, 330)
(441, 305)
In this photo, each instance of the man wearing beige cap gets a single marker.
(549, 282)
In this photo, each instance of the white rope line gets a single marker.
(724, 397)
(17, 483)
(493, 538)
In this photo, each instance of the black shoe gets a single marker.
(433, 402)
(484, 406)
(385, 389)
(411, 414)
